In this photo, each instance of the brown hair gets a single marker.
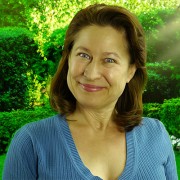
(129, 105)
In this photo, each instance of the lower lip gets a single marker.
(91, 88)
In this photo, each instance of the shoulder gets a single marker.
(151, 125)
(38, 134)
(43, 124)
(153, 133)
(153, 150)
(41, 128)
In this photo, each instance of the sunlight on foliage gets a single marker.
(47, 16)
(48, 21)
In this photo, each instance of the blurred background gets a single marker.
(31, 40)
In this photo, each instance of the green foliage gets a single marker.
(170, 116)
(12, 121)
(155, 18)
(22, 70)
(163, 35)
(12, 13)
(14, 44)
(47, 16)
(152, 110)
(168, 113)
(48, 22)
(163, 82)
(44, 17)
(53, 47)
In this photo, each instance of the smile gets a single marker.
(91, 88)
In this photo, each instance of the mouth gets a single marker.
(91, 88)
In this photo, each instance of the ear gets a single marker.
(131, 72)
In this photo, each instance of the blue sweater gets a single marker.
(45, 150)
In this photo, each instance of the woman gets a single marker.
(97, 89)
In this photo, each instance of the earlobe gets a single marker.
(132, 70)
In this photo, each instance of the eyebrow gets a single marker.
(82, 48)
(112, 53)
(105, 53)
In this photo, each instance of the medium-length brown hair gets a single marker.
(128, 109)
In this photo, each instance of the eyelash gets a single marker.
(112, 60)
(107, 60)
(84, 55)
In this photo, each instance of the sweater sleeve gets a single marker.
(170, 168)
(20, 163)
(170, 165)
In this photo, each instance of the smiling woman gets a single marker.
(97, 90)
(100, 63)
(115, 36)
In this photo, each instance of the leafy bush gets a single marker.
(13, 85)
(155, 18)
(22, 70)
(12, 121)
(152, 110)
(163, 82)
(53, 48)
(168, 113)
(170, 116)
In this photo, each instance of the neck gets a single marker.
(96, 119)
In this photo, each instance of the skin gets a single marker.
(99, 68)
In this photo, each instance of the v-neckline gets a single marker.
(79, 165)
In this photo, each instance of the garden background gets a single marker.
(31, 43)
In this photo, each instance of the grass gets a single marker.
(178, 162)
(2, 158)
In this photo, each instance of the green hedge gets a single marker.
(170, 116)
(152, 110)
(163, 82)
(13, 85)
(23, 72)
(168, 113)
(18, 52)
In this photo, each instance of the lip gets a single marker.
(91, 88)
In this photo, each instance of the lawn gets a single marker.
(2, 158)
(178, 163)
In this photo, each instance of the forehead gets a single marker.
(101, 36)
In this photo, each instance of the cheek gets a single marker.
(75, 68)
(116, 77)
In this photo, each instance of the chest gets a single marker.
(104, 157)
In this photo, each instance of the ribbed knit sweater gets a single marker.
(45, 150)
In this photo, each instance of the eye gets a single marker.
(84, 55)
(109, 60)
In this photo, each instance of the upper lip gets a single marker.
(91, 85)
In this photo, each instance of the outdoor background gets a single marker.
(31, 41)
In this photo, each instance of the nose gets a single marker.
(92, 70)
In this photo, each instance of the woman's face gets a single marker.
(99, 66)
